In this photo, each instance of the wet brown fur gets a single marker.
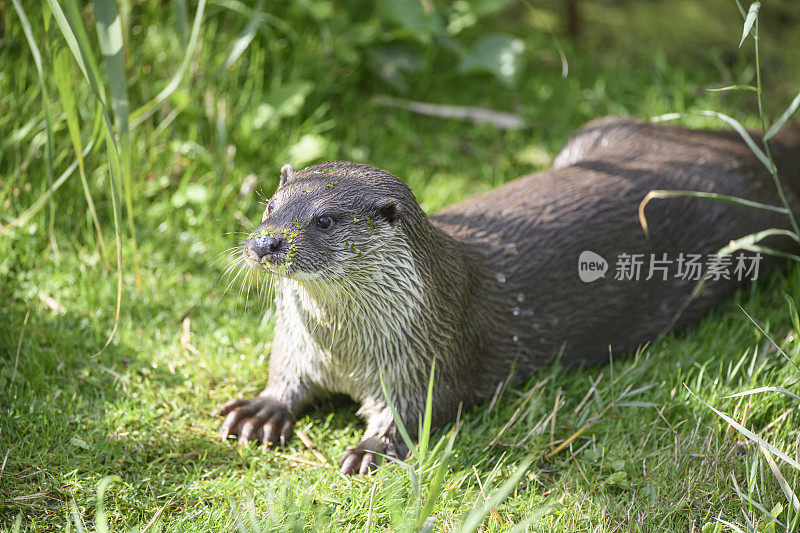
(497, 274)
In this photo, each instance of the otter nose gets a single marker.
(267, 245)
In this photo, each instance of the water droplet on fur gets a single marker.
(520, 297)
(515, 338)
(515, 312)
(500, 277)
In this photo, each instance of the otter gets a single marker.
(368, 286)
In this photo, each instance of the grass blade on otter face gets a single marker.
(791, 110)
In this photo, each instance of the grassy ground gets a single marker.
(653, 459)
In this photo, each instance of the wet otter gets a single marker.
(368, 285)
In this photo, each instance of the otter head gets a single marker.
(331, 222)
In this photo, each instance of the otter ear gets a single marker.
(287, 171)
(389, 210)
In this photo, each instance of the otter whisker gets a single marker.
(230, 256)
(232, 265)
(246, 224)
(242, 267)
(250, 276)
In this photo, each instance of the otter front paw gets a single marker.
(260, 419)
(362, 459)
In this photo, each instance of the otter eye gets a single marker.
(268, 211)
(325, 222)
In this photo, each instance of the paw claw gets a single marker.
(247, 421)
(358, 461)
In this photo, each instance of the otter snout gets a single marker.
(261, 247)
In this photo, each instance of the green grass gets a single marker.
(653, 459)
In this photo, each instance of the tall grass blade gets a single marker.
(401, 427)
(758, 390)
(745, 498)
(741, 9)
(427, 419)
(182, 17)
(752, 13)
(733, 527)
(100, 520)
(37, 59)
(76, 517)
(734, 88)
(787, 490)
(791, 110)
(69, 36)
(109, 35)
(43, 199)
(766, 250)
(749, 434)
(736, 125)
(437, 485)
(734, 200)
(769, 337)
(754, 238)
(795, 324)
(476, 517)
(537, 514)
(63, 75)
(246, 37)
(147, 110)
(67, 24)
